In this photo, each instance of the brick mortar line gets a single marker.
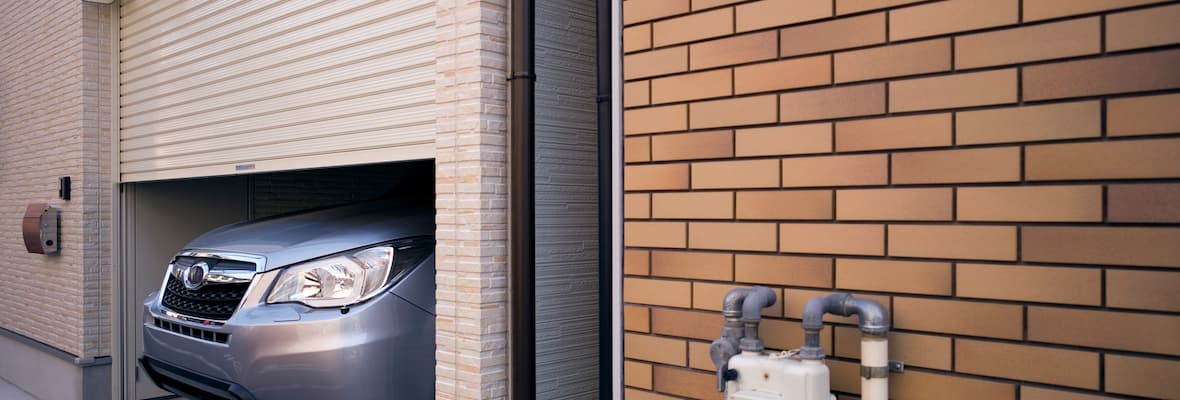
(917, 296)
(946, 335)
(833, 325)
(982, 146)
(887, 11)
(940, 222)
(952, 70)
(889, 114)
(998, 184)
(938, 296)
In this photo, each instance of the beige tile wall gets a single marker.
(95, 185)
(55, 122)
(471, 199)
(1004, 175)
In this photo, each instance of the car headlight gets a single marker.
(335, 281)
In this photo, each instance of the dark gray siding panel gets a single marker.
(566, 207)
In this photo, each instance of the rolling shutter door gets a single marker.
(224, 87)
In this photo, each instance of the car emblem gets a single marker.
(194, 275)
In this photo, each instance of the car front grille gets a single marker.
(198, 333)
(212, 301)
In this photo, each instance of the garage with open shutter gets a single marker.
(215, 88)
(238, 110)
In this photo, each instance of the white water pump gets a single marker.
(754, 374)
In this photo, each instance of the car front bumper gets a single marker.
(381, 349)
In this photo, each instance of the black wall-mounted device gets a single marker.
(63, 190)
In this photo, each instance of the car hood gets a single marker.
(290, 238)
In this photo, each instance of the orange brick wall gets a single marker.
(1003, 175)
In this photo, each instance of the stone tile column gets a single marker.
(472, 232)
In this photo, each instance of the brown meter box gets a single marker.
(39, 228)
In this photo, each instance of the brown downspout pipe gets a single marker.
(605, 197)
(522, 357)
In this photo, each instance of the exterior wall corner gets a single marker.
(471, 202)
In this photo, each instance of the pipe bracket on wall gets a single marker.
(522, 75)
(882, 372)
(874, 372)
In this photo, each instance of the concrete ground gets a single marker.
(9, 391)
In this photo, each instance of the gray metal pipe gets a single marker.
(873, 320)
(731, 309)
(726, 346)
(758, 298)
(742, 309)
(731, 305)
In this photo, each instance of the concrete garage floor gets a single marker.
(9, 391)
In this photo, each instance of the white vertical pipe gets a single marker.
(874, 352)
(616, 95)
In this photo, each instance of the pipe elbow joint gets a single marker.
(731, 306)
(757, 298)
(872, 317)
(814, 310)
(813, 323)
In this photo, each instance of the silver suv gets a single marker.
(330, 303)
